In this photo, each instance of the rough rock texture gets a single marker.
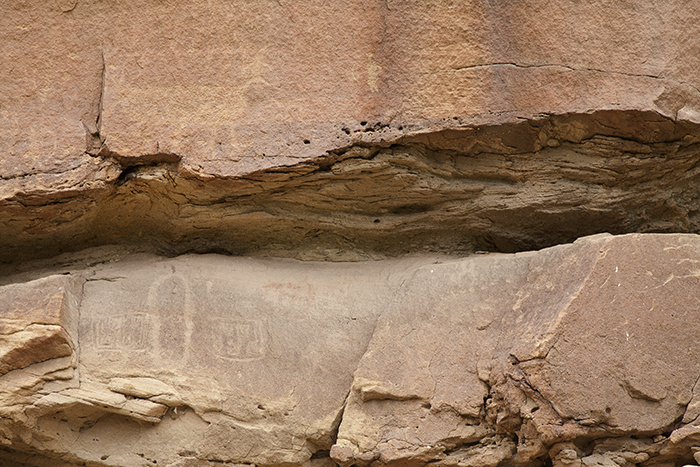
(581, 354)
(204, 357)
(344, 130)
(511, 355)
(349, 131)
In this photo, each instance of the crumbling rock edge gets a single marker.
(500, 360)
(514, 186)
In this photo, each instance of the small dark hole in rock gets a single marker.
(608, 410)
(104, 458)
(363, 123)
(306, 141)
(376, 221)
(321, 454)
(534, 409)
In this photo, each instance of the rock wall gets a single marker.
(580, 354)
(344, 130)
(284, 233)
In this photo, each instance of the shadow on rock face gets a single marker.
(507, 188)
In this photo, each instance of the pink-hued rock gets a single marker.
(577, 341)
(349, 131)
(187, 114)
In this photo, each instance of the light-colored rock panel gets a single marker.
(582, 340)
(262, 351)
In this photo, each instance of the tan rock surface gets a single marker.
(368, 129)
(202, 115)
(39, 321)
(249, 360)
(574, 342)
(580, 354)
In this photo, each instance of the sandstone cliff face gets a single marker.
(139, 141)
(350, 130)
(580, 354)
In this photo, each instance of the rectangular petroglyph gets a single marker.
(239, 339)
(177, 319)
(212, 324)
(121, 332)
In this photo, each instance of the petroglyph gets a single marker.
(170, 302)
(239, 340)
(121, 332)
(213, 323)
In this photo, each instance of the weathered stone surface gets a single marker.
(207, 120)
(39, 321)
(250, 359)
(577, 355)
(366, 129)
(495, 189)
(575, 342)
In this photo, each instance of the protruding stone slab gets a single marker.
(582, 340)
(38, 321)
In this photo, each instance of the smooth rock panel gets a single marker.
(259, 352)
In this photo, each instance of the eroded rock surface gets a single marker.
(349, 131)
(580, 354)
(529, 350)
(252, 360)
(289, 129)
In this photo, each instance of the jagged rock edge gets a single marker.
(476, 141)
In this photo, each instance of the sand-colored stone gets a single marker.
(254, 357)
(39, 321)
(161, 108)
(552, 346)
(360, 130)
(236, 87)
(488, 360)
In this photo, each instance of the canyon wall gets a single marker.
(361, 233)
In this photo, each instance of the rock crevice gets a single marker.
(508, 188)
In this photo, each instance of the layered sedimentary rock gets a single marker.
(352, 130)
(133, 133)
(249, 361)
(572, 355)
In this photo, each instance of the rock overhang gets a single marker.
(362, 131)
